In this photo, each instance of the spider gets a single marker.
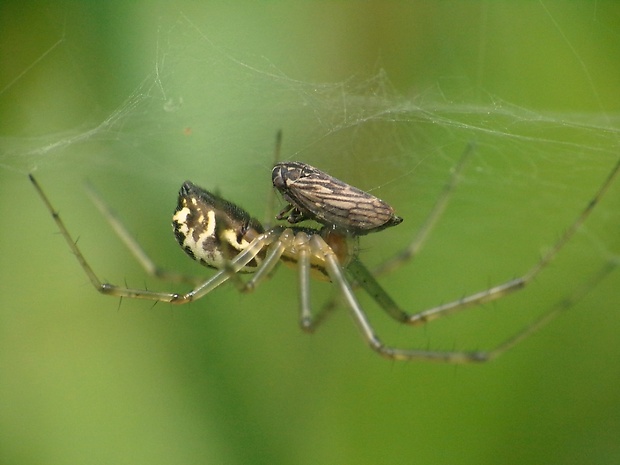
(221, 235)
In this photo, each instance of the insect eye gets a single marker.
(285, 173)
(277, 177)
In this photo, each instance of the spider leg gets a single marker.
(432, 218)
(306, 319)
(236, 264)
(337, 276)
(271, 260)
(132, 244)
(242, 259)
(65, 233)
(521, 282)
(423, 232)
(555, 311)
(457, 357)
(363, 277)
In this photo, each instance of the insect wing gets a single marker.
(331, 201)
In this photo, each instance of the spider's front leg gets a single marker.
(207, 227)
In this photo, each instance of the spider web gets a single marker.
(207, 110)
(137, 97)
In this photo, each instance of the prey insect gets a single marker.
(221, 235)
(315, 195)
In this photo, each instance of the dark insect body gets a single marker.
(315, 195)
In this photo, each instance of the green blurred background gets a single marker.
(137, 97)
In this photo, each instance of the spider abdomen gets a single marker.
(212, 230)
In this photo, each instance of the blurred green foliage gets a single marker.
(136, 97)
